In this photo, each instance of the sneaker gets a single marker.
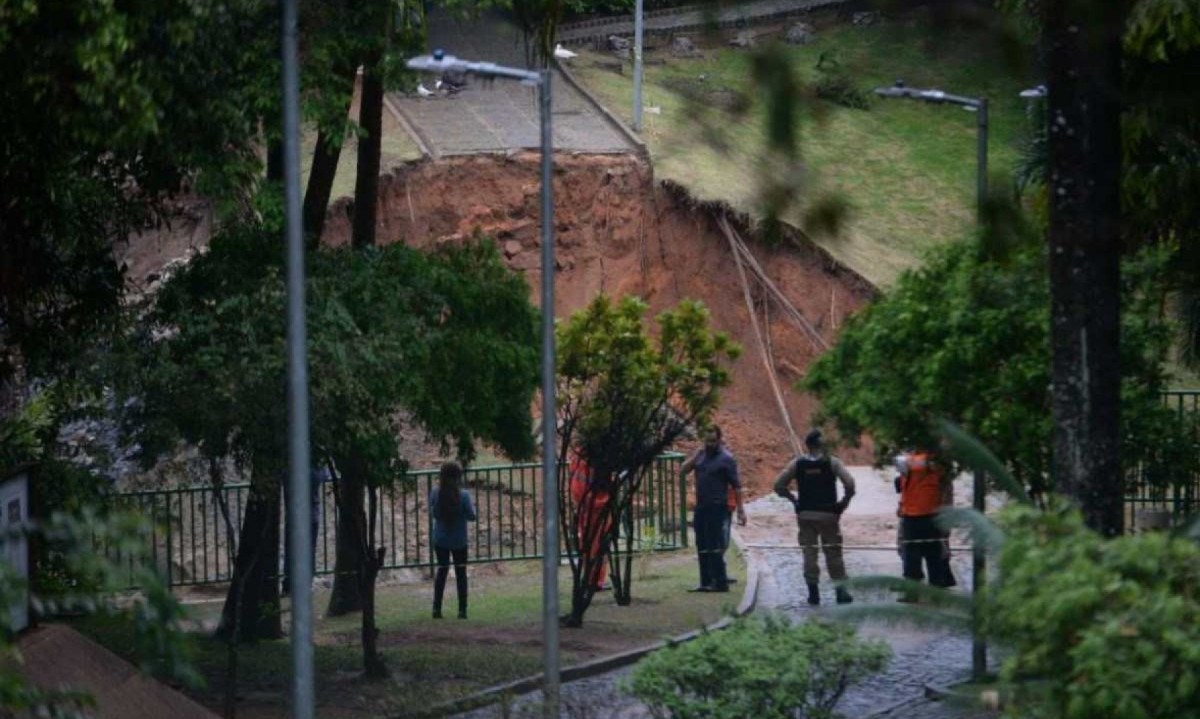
(843, 597)
(814, 594)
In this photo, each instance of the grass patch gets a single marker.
(396, 149)
(907, 169)
(438, 660)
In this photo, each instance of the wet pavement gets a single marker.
(922, 655)
(502, 115)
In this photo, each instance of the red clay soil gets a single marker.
(616, 231)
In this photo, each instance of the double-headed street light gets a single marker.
(980, 107)
(440, 62)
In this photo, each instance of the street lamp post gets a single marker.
(637, 66)
(441, 62)
(299, 509)
(980, 107)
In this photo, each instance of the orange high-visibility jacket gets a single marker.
(920, 487)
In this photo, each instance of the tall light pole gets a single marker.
(980, 107)
(637, 66)
(299, 509)
(441, 62)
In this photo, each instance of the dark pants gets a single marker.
(460, 576)
(928, 547)
(726, 526)
(710, 545)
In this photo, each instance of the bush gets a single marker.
(759, 667)
(840, 89)
(1096, 627)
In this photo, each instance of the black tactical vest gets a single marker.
(815, 485)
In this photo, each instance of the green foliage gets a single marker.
(966, 337)
(450, 337)
(758, 667)
(1095, 627)
(624, 398)
(107, 107)
(23, 436)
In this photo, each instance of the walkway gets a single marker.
(921, 655)
(503, 115)
(691, 18)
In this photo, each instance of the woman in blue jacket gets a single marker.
(452, 509)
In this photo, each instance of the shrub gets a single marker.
(759, 667)
(1096, 627)
(840, 89)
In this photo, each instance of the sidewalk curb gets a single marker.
(601, 665)
(422, 144)
(638, 143)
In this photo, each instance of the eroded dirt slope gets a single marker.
(617, 232)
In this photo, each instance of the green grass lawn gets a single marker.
(437, 660)
(907, 169)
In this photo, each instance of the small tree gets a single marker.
(624, 398)
(759, 667)
(449, 338)
(966, 337)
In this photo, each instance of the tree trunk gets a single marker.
(251, 610)
(350, 486)
(275, 161)
(326, 155)
(372, 562)
(366, 185)
(1083, 178)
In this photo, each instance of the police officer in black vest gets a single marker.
(818, 512)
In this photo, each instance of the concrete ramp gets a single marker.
(58, 657)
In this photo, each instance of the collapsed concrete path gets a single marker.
(502, 115)
(921, 656)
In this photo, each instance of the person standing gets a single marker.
(818, 512)
(924, 488)
(716, 473)
(592, 520)
(452, 508)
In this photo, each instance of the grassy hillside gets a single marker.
(907, 169)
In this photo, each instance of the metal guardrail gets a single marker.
(190, 539)
(1151, 506)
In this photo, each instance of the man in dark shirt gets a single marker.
(716, 472)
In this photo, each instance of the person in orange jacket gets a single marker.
(593, 521)
(924, 487)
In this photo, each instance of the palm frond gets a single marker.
(971, 453)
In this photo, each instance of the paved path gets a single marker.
(921, 655)
(687, 18)
(502, 115)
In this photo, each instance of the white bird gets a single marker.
(424, 91)
(563, 53)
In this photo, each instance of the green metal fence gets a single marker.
(190, 540)
(1149, 505)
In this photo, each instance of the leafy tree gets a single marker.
(624, 398)
(107, 108)
(758, 667)
(447, 337)
(967, 337)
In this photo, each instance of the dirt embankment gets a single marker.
(616, 231)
